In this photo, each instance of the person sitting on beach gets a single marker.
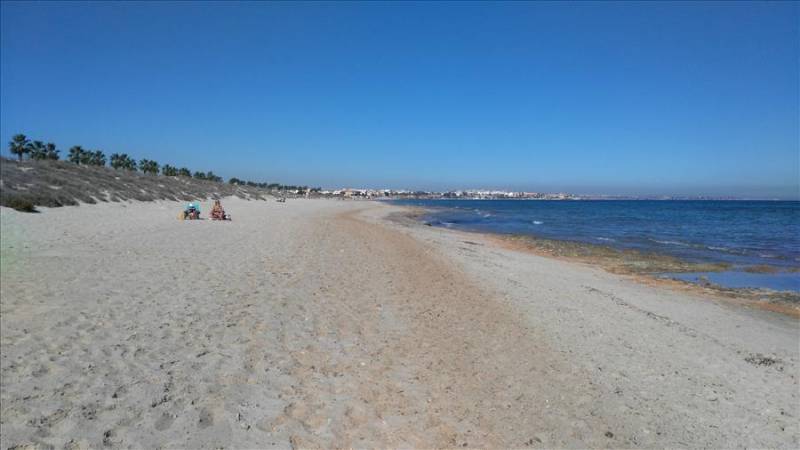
(192, 212)
(217, 213)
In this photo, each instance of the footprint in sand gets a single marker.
(206, 418)
(164, 422)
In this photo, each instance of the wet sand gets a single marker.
(323, 324)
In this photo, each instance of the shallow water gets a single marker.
(786, 281)
(739, 233)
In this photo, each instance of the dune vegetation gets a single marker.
(40, 178)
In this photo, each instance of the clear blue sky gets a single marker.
(686, 98)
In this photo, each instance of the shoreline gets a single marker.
(648, 259)
(645, 267)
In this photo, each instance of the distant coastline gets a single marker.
(477, 194)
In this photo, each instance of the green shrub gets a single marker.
(22, 205)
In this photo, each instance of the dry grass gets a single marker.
(60, 183)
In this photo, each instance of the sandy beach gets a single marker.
(323, 323)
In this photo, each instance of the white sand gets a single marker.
(321, 324)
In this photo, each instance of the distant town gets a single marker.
(479, 194)
(461, 194)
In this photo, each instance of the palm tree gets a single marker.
(149, 166)
(200, 175)
(50, 151)
(122, 161)
(97, 158)
(169, 170)
(87, 157)
(19, 145)
(77, 154)
(37, 150)
(117, 160)
(129, 163)
(184, 172)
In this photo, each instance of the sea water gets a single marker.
(740, 233)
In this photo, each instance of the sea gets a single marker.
(741, 233)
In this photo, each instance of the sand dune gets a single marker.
(323, 324)
(60, 183)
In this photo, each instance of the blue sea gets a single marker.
(741, 233)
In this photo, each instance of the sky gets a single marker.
(683, 98)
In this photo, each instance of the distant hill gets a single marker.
(59, 183)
